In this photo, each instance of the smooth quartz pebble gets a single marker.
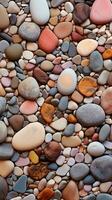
(28, 107)
(86, 46)
(6, 167)
(39, 17)
(67, 82)
(96, 149)
(59, 124)
(29, 137)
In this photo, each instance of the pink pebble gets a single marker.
(22, 162)
(57, 60)
(28, 107)
(6, 82)
(87, 188)
(101, 49)
(29, 66)
(67, 65)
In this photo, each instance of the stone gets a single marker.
(3, 131)
(29, 31)
(87, 86)
(70, 192)
(103, 78)
(56, 3)
(46, 65)
(28, 107)
(3, 15)
(106, 98)
(59, 124)
(81, 13)
(98, 167)
(104, 16)
(29, 197)
(90, 115)
(108, 145)
(3, 188)
(21, 184)
(39, 17)
(96, 149)
(33, 157)
(67, 82)
(3, 45)
(63, 170)
(107, 54)
(69, 7)
(47, 112)
(104, 196)
(40, 75)
(108, 64)
(14, 52)
(69, 130)
(72, 50)
(28, 55)
(104, 187)
(6, 168)
(79, 171)
(6, 151)
(47, 193)
(16, 121)
(38, 171)
(29, 88)
(48, 40)
(14, 82)
(63, 103)
(90, 197)
(104, 132)
(63, 29)
(13, 8)
(96, 62)
(86, 46)
(30, 137)
(71, 141)
(52, 151)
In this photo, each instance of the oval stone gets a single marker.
(96, 61)
(4, 22)
(28, 107)
(6, 151)
(29, 137)
(63, 29)
(106, 100)
(70, 192)
(90, 115)
(67, 81)
(98, 167)
(3, 188)
(14, 52)
(39, 11)
(86, 46)
(104, 196)
(79, 171)
(3, 131)
(96, 149)
(6, 167)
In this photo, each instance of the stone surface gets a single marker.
(104, 196)
(47, 112)
(71, 141)
(67, 82)
(79, 171)
(6, 167)
(39, 17)
(90, 115)
(96, 61)
(96, 149)
(63, 29)
(52, 151)
(86, 46)
(70, 192)
(14, 52)
(59, 124)
(3, 15)
(3, 188)
(29, 137)
(29, 88)
(106, 98)
(3, 131)
(40, 75)
(47, 194)
(38, 172)
(104, 132)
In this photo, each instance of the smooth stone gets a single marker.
(2, 105)
(90, 115)
(6, 151)
(108, 64)
(21, 184)
(96, 61)
(29, 197)
(6, 167)
(104, 196)
(40, 75)
(90, 197)
(88, 180)
(108, 145)
(63, 29)
(72, 50)
(59, 124)
(3, 188)
(71, 141)
(98, 167)
(48, 40)
(106, 100)
(70, 192)
(29, 31)
(21, 162)
(103, 78)
(65, 46)
(67, 81)
(52, 150)
(28, 107)
(104, 187)
(69, 130)
(81, 13)
(3, 131)
(63, 170)
(46, 66)
(104, 132)
(3, 15)
(79, 171)
(103, 17)
(29, 88)
(16, 122)
(14, 52)
(96, 149)
(86, 47)
(30, 137)
(13, 8)
(63, 103)
(56, 3)
(3, 45)
(39, 17)
(69, 7)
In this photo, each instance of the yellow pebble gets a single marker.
(33, 157)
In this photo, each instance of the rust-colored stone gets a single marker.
(107, 54)
(47, 112)
(38, 172)
(71, 118)
(46, 194)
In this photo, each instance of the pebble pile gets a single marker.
(55, 100)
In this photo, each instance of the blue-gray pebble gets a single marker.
(63, 104)
(69, 130)
(104, 133)
(96, 61)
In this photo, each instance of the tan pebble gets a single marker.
(53, 20)
(72, 141)
(33, 157)
(6, 167)
(16, 38)
(2, 91)
(85, 62)
(31, 46)
(27, 55)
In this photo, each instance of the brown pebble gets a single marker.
(71, 191)
(16, 121)
(38, 172)
(47, 112)
(40, 75)
(46, 194)
(52, 151)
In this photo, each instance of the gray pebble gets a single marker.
(69, 130)
(65, 46)
(72, 50)
(104, 196)
(63, 103)
(79, 171)
(96, 61)
(104, 133)
(103, 78)
(2, 105)
(6, 151)
(108, 64)
(3, 45)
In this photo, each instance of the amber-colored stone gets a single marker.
(16, 38)
(71, 191)
(71, 118)
(87, 86)
(52, 151)
(85, 62)
(82, 193)
(51, 83)
(47, 112)
(46, 194)
(77, 97)
(38, 172)
(107, 54)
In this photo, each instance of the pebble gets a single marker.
(3, 188)
(14, 52)
(104, 196)
(40, 75)
(67, 82)
(38, 171)
(90, 115)
(13, 8)
(52, 150)
(106, 100)
(86, 47)
(6, 167)
(96, 149)
(63, 103)
(29, 197)
(47, 112)
(104, 132)
(63, 170)
(46, 66)
(59, 124)
(39, 17)
(28, 55)
(18, 171)
(3, 15)
(28, 107)
(3, 45)
(69, 7)
(3, 131)
(23, 139)
(63, 29)
(104, 187)
(29, 31)
(71, 141)
(96, 61)
(6, 151)
(69, 130)
(16, 122)
(70, 192)
(108, 64)
(20, 185)
(103, 78)
(79, 171)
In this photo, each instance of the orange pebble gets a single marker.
(107, 54)
(71, 118)
(46, 194)
(51, 83)
(47, 112)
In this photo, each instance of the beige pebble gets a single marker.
(6, 167)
